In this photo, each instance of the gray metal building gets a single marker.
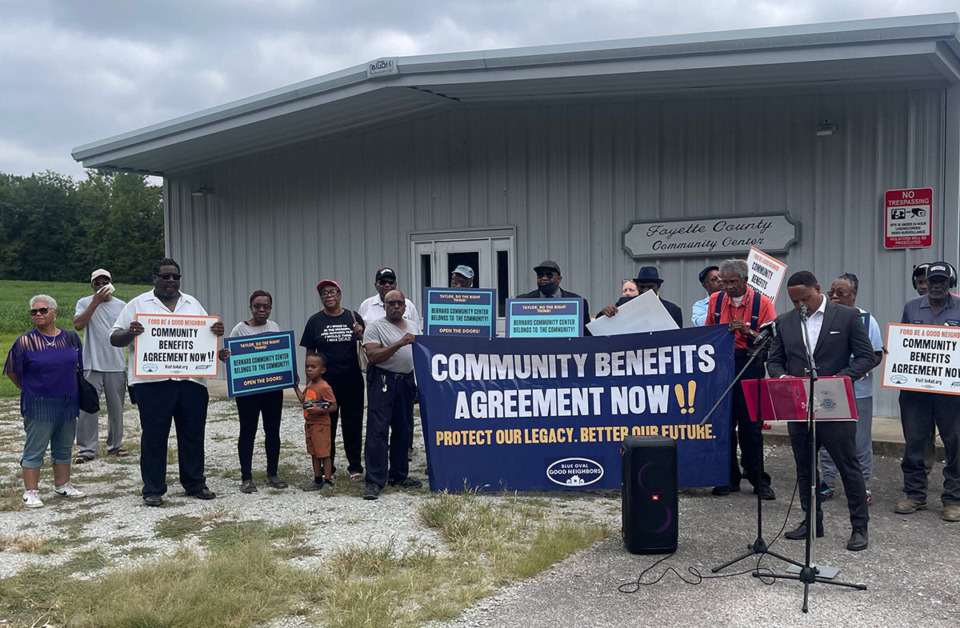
(504, 158)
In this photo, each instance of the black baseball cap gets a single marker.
(703, 273)
(385, 272)
(547, 264)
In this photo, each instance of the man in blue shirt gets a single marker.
(921, 411)
(844, 291)
(710, 280)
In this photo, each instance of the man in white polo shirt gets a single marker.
(160, 400)
(104, 367)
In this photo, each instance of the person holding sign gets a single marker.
(250, 407)
(390, 393)
(743, 310)
(334, 332)
(920, 412)
(835, 333)
(162, 400)
(548, 287)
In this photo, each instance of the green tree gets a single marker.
(55, 229)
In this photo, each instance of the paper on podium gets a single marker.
(785, 399)
(638, 315)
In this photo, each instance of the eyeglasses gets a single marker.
(385, 281)
(395, 303)
(549, 274)
(39, 310)
(838, 293)
(329, 293)
(169, 277)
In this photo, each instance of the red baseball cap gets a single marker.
(327, 282)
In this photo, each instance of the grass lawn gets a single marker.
(15, 320)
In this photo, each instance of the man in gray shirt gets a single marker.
(921, 411)
(105, 367)
(390, 393)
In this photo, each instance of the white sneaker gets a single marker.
(67, 490)
(31, 499)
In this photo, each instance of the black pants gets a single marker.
(748, 432)
(919, 413)
(249, 409)
(388, 424)
(348, 389)
(840, 440)
(185, 403)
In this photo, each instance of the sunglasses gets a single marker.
(39, 310)
(839, 293)
(328, 293)
(169, 277)
(386, 281)
(549, 274)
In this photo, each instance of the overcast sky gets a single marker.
(76, 72)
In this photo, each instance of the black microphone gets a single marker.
(766, 330)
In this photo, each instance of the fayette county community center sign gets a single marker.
(715, 235)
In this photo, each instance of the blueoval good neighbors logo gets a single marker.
(150, 367)
(575, 472)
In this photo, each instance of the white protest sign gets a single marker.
(925, 358)
(174, 345)
(765, 273)
(640, 314)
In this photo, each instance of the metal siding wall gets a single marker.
(570, 177)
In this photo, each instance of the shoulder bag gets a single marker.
(89, 397)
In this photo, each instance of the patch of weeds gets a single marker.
(118, 541)
(86, 561)
(105, 477)
(27, 544)
(139, 551)
(177, 527)
(73, 526)
(76, 541)
(11, 497)
(172, 455)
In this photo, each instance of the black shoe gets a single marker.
(858, 540)
(800, 532)
(371, 491)
(153, 500)
(203, 493)
(765, 492)
(407, 483)
(720, 491)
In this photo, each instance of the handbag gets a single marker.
(89, 397)
(361, 354)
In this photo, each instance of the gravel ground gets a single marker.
(912, 568)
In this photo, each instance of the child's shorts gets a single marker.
(318, 438)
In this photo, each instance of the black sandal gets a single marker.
(276, 483)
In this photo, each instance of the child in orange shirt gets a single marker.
(318, 402)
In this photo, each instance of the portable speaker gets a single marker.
(649, 494)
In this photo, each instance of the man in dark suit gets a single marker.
(836, 332)
(548, 287)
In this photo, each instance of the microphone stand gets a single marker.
(760, 345)
(808, 571)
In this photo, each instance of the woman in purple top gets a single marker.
(43, 364)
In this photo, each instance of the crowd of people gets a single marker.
(49, 365)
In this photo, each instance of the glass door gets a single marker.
(436, 255)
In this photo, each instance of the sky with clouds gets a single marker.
(72, 73)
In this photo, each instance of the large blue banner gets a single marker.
(538, 414)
